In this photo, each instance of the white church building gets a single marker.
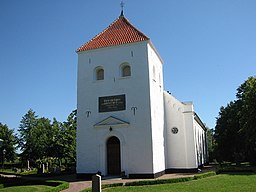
(126, 123)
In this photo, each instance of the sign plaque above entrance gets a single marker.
(112, 103)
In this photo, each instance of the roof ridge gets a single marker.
(101, 31)
(120, 31)
(129, 23)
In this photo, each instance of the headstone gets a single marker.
(28, 167)
(96, 183)
(43, 169)
(47, 166)
(58, 170)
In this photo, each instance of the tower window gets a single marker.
(99, 73)
(125, 70)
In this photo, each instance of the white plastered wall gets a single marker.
(179, 147)
(136, 139)
(156, 108)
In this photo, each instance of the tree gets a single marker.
(8, 143)
(69, 136)
(246, 94)
(228, 136)
(27, 125)
(55, 148)
(41, 137)
(40, 140)
(210, 144)
(235, 131)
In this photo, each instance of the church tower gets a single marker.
(120, 111)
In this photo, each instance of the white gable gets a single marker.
(111, 122)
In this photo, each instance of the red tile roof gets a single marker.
(121, 31)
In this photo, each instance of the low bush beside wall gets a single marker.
(111, 185)
(160, 181)
(203, 175)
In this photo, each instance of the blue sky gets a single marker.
(208, 48)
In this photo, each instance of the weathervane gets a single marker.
(122, 8)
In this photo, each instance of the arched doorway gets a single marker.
(113, 156)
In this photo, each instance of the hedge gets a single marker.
(111, 185)
(203, 175)
(62, 185)
(158, 181)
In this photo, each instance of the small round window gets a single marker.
(175, 130)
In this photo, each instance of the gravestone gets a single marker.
(28, 166)
(43, 168)
(96, 183)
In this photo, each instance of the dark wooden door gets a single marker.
(113, 156)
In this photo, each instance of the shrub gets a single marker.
(61, 185)
(160, 181)
(111, 185)
(203, 175)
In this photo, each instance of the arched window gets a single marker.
(125, 70)
(99, 73)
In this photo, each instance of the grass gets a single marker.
(232, 182)
(17, 184)
(30, 188)
(13, 172)
(24, 184)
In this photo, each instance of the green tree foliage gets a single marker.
(41, 140)
(8, 143)
(69, 136)
(235, 131)
(27, 137)
(211, 144)
(55, 146)
(228, 135)
(246, 94)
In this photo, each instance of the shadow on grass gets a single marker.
(233, 169)
(10, 182)
(63, 176)
(6, 182)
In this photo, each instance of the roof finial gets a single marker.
(122, 8)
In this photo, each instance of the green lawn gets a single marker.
(220, 183)
(30, 188)
(21, 185)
